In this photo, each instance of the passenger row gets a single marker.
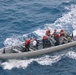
(49, 39)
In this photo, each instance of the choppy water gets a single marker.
(20, 19)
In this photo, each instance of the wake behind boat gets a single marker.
(17, 51)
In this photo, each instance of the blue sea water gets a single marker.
(20, 19)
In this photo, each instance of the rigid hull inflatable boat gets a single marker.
(17, 51)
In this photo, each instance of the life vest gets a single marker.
(56, 35)
(27, 41)
(44, 37)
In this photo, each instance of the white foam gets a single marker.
(45, 60)
(67, 19)
(13, 40)
(16, 64)
(40, 32)
(66, 22)
(49, 60)
(67, 1)
(74, 33)
(71, 54)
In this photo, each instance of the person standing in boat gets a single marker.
(27, 44)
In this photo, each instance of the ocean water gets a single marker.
(20, 19)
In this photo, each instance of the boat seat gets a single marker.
(17, 51)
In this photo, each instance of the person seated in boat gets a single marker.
(62, 32)
(46, 42)
(35, 43)
(50, 37)
(27, 44)
(54, 32)
(63, 37)
(56, 37)
(48, 33)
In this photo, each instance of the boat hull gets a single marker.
(36, 52)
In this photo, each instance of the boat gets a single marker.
(16, 52)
